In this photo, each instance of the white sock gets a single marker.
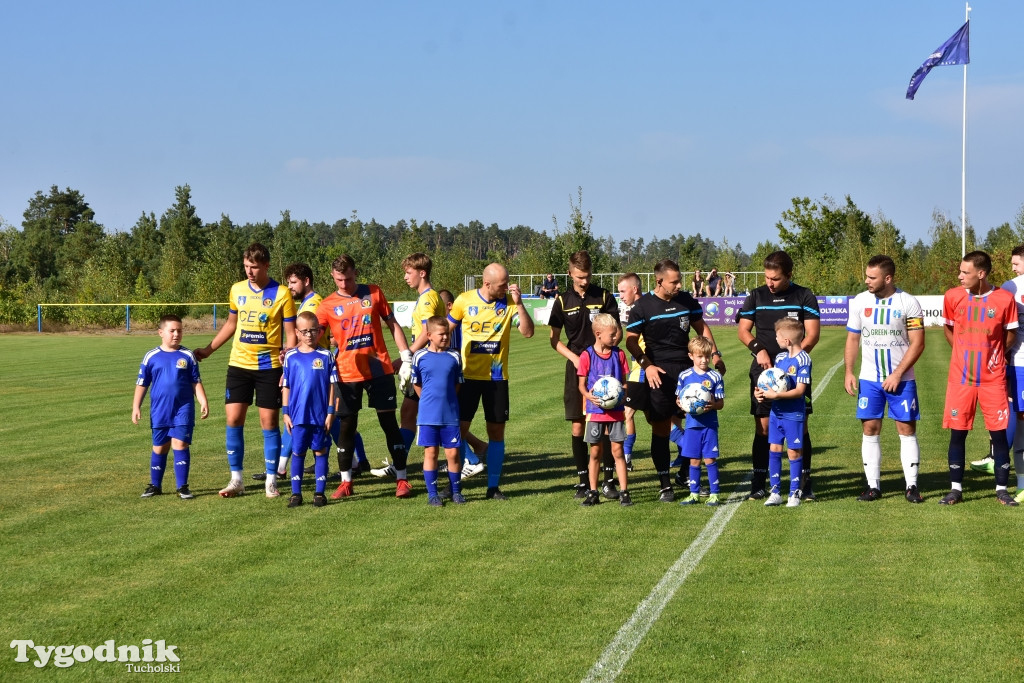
(956, 486)
(401, 474)
(871, 453)
(910, 456)
(282, 465)
(346, 475)
(236, 476)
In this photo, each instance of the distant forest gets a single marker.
(62, 254)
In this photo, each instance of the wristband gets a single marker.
(755, 346)
(284, 410)
(716, 353)
(330, 410)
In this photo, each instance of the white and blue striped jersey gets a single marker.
(883, 325)
(1016, 288)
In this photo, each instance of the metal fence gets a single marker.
(127, 310)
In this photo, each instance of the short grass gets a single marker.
(376, 588)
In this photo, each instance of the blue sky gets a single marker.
(674, 117)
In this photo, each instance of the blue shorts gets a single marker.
(162, 435)
(309, 436)
(785, 432)
(903, 405)
(442, 436)
(700, 443)
(1015, 388)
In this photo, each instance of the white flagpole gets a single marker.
(963, 160)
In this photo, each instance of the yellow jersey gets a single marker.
(485, 335)
(428, 305)
(260, 315)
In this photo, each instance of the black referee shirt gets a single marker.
(575, 314)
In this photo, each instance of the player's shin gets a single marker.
(271, 449)
(157, 466)
(234, 438)
(910, 457)
(182, 462)
(298, 463)
(871, 455)
(660, 458)
(956, 457)
(1001, 455)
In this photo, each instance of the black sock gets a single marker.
(581, 457)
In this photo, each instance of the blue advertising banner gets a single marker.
(722, 310)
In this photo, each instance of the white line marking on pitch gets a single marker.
(614, 658)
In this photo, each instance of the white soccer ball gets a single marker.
(608, 392)
(696, 399)
(774, 379)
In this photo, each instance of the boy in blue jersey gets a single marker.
(171, 374)
(309, 402)
(471, 444)
(700, 438)
(786, 422)
(436, 376)
(600, 359)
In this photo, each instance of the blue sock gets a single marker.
(182, 460)
(430, 478)
(694, 479)
(713, 476)
(455, 479)
(359, 448)
(468, 456)
(495, 459)
(957, 455)
(407, 437)
(298, 462)
(795, 467)
(676, 436)
(157, 465)
(775, 471)
(320, 464)
(271, 448)
(627, 444)
(235, 442)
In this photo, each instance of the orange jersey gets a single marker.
(979, 326)
(355, 325)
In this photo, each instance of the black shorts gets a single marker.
(572, 399)
(380, 395)
(241, 384)
(764, 408)
(637, 394)
(661, 402)
(494, 393)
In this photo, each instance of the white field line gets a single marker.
(614, 658)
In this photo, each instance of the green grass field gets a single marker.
(375, 588)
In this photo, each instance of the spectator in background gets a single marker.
(728, 283)
(549, 288)
(697, 284)
(714, 284)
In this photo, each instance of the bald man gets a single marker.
(485, 320)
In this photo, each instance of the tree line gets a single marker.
(62, 254)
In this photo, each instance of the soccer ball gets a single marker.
(774, 379)
(695, 399)
(608, 392)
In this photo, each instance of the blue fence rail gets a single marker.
(127, 310)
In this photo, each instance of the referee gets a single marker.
(779, 297)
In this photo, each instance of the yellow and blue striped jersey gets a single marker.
(485, 335)
(310, 303)
(428, 305)
(260, 315)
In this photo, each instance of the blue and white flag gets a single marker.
(954, 51)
